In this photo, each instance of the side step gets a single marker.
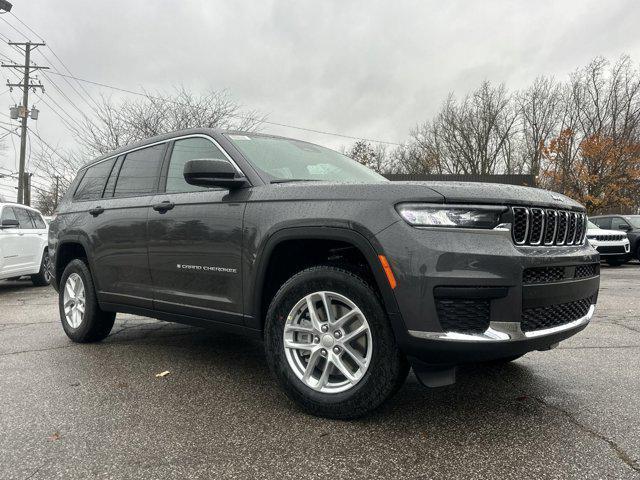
(432, 376)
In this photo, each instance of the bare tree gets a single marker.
(596, 156)
(370, 155)
(118, 123)
(539, 109)
(472, 136)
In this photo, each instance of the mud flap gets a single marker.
(433, 376)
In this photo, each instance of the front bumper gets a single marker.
(431, 264)
(611, 249)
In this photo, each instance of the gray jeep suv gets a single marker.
(350, 279)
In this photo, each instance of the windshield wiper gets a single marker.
(287, 180)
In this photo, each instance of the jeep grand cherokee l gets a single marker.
(350, 279)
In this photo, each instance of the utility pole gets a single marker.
(23, 110)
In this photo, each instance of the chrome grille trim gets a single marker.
(547, 226)
(551, 229)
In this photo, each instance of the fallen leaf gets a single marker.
(521, 398)
(55, 436)
(162, 374)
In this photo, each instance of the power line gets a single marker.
(242, 117)
(26, 26)
(132, 92)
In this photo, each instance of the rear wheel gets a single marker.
(330, 344)
(43, 277)
(82, 319)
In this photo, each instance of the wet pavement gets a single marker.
(99, 411)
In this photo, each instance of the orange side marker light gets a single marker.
(387, 271)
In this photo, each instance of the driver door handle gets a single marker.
(163, 206)
(96, 211)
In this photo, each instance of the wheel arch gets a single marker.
(368, 248)
(67, 250)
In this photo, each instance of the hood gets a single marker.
(602, 231)
(435, 192)
(472, 192)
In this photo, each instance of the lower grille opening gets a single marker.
(611, 249)
(463, 316)
(558, 274)
(539, 318)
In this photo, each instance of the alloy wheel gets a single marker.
(327, 342)
(74, 300)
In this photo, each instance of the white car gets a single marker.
(612, 245)
(23, 244)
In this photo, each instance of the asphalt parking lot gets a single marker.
(99, 411)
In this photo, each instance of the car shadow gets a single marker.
(236, 365)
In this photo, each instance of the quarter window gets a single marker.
(92, 183)
(183, 151)
(140, 172)
(37, 219)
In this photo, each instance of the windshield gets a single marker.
(634, 220)
(284, 159)
(590, 224)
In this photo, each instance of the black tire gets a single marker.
(388, 367)
(96, 323)
(43, 277)
(614, 262)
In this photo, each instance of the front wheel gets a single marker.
(82, 319)
(330, 344)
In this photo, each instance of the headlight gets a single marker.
(457, 216)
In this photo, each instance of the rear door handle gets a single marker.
(163, 206)
(96, 211)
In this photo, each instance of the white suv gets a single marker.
(612, 245)
(23, 244)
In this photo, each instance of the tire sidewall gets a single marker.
(40, 279)
(84, 329)
(375, 380)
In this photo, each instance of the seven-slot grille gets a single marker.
(538, 226)
(607, 238)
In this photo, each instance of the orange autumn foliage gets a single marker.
(599, 171)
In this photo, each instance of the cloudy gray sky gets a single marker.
(362, 68)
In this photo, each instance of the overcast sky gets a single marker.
(362, 68)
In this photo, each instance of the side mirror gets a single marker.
(10, 223)
(211, 172)
(624, 227)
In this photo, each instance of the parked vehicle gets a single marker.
(612, 245)
(629, 224)
(348, 278)
(23, 244)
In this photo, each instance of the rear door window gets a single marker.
(8, 214)
(603, 222)
(140, 172)
(92, 184)
(24, 218)
(111, 182)
(183, 151)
